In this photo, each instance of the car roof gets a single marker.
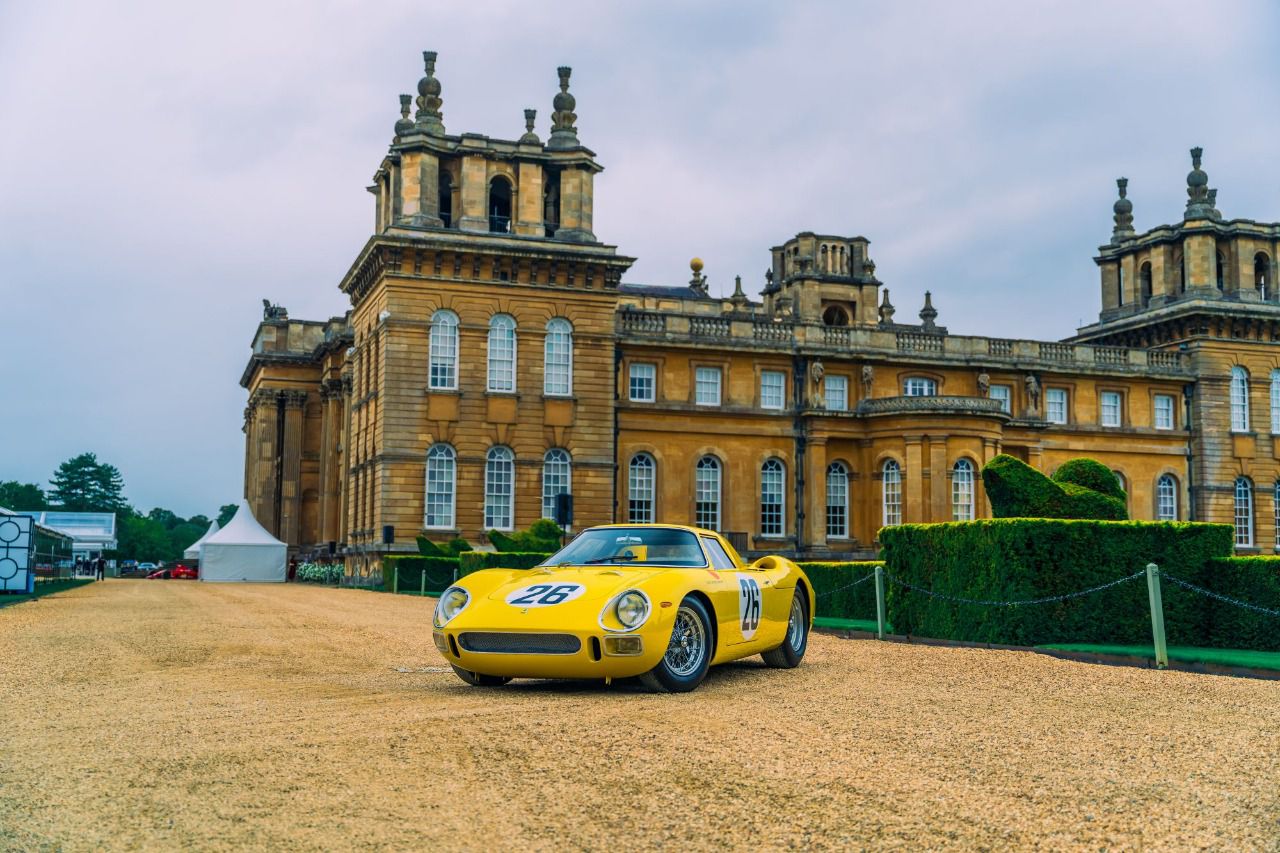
(699, 530)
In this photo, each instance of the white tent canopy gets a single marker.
(243, 551)
(193, 553)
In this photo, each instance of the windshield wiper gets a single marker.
(613, 559)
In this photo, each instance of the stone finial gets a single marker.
(563, 132)
(405, 124)
(1123, 209)
(928, 313)
(530, 116)
(1213, 204)
(886, 308)
(1198, 205)
(699, 281)
(739, 298)
(429, 101)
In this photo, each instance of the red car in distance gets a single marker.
(179, 572)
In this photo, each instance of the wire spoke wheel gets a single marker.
(688, 646)
(796, 626)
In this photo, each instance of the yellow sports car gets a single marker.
(658, 601)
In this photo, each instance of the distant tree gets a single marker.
(168, 520)
(200, 521)
(142, 539)
(83, 484)
(22, 496)
(225, 512)
(182, 537)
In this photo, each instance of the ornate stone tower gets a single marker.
(824, 278)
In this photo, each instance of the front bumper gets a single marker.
(549, 654)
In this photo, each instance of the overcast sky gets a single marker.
(165, 166)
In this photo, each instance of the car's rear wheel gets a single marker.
(688, 654)
(476, 679)
(791, 652)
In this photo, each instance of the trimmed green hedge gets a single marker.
(1007, 559)
(835, 597)
(440, 573)
(1091, 474)
(1255, 580)
(1016, 490)
(474, 561)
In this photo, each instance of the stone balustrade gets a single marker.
(932, 405)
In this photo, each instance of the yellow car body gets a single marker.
(559, 620)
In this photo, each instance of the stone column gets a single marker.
(528, 215)
(291, 468)
(575, 206)
(1200, 254)
(939, 508)
(344, 457)
(266, 453)
(428, 185)
(913, 494)
(815, 477)
(475, 194)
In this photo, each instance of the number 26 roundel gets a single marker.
(545, 594)
(748, 606)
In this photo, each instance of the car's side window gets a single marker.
(719, 559)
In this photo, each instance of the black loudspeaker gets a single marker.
(564, 509)
(333, 547)
(388, 534)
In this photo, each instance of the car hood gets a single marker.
(599, 582)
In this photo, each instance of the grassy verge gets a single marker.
(45, 588)
(847, 624)
(1186, 654)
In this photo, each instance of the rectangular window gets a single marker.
(920, 386)
(1004, 394)
(1164, 411)
(837, 396)
(773, 389)
(706, 381)
(1055, 405)
(643, 381)
(1110, 408)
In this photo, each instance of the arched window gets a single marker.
(920, 386)
(1166, 498)
(1119, 285)
(1222, 271)
(1244, 512)
(555, 479)
(558, 358)
(1180, 272)
(1275, 402)
(1144, 283)
(837, 501)
(891, 487)
(500, 205)
(640, 476)
(706, 493)
(826, 261)
(446, 198)
(551, 200)
(502, 353)
(440, 490)
(834, 315)
(499, 489)
(1261, 275)
(772, 500)
(1239, 399)
(962, 490)
(444, 349)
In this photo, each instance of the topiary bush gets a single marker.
(1091, 474)
(406, 573)
(452, 548)
(543, 535)
(1022, 558)
(1255, 580)
(1016, 490)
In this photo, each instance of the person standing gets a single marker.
(101, 566)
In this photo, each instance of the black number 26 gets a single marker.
(749, 590)
(545, 593)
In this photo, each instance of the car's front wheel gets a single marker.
(476, 679)
(791, 652)
(688, 653)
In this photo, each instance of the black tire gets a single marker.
(689, 651)
(791, 652)
(475, 679)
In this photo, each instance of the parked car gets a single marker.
(147, 567)
(183, 572)
(658, 601)
(159, 574)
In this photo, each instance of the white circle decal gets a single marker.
(545, 594)
(748, 606)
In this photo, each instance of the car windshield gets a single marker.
(631, 546)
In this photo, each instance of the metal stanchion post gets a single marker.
(1157, 615)
(879, 602)
(395, 579)
(422, 590)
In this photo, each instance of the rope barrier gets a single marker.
(1219, 596)
(1026, 601)
(846, 586)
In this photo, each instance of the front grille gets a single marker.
(492, 642)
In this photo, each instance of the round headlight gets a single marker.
(450, 605)
(632, 608)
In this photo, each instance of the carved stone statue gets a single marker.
(816, 372)
(984, 384)
(273, 312)
(1033, 391)
(868, 378)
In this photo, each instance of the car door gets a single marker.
(739, 595)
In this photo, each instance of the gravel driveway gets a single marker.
(167, 714)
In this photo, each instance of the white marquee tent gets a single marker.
(193, 553)
(243, 551)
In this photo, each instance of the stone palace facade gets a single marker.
(492, 357)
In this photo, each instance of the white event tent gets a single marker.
(243, 551)
(193, 553)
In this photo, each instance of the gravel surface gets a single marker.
(164, 715)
